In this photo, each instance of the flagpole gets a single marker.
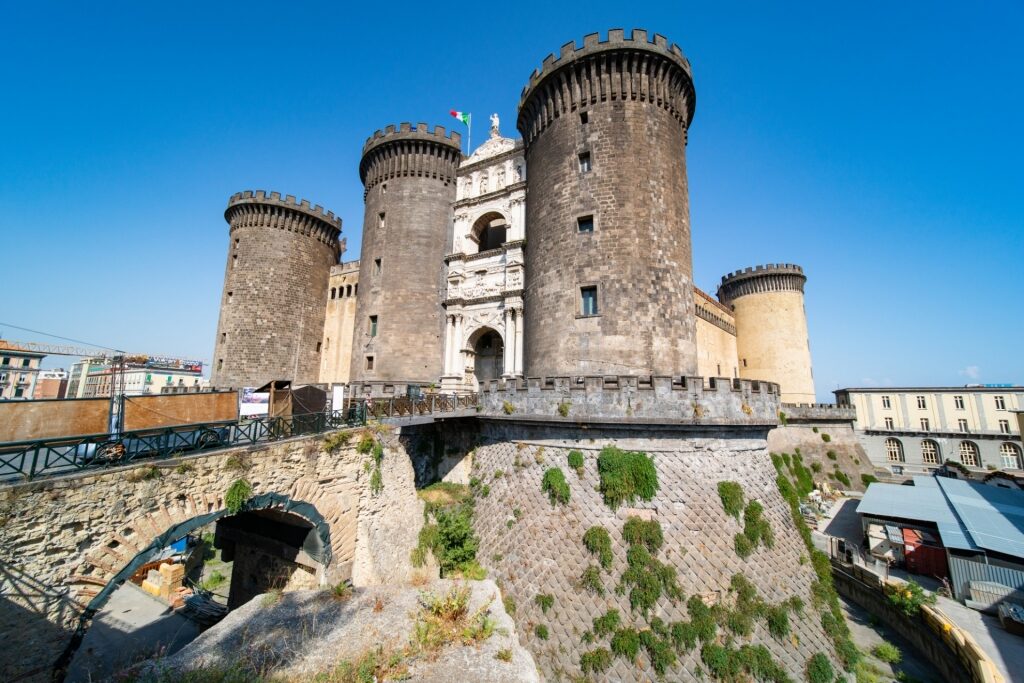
(469, 142)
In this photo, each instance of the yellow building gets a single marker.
(19, 370)
(336, 355)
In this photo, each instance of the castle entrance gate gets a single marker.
(489, 351)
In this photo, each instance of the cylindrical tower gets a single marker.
(609, 282)
(409, 180)
(771, 327)
(271, 323)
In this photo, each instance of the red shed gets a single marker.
(924, 555)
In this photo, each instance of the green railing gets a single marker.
(24, 460)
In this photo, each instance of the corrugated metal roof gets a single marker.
(922, 502)
(993, 516)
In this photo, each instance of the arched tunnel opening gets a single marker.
(191, 577)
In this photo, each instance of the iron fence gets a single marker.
(47, 457)
(401, 406)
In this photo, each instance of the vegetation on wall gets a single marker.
(625, 476)
(599, 543)
(555, 485)
(731, 494)
(236, 495)
(450, 536)
(909, 597)
(335, 441)
(563, 408)
(576, 462)
(647, 578)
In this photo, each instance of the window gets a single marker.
(234, 261)
(376, 266)
(584, 118)
(318, 345)
(333, 292)
(921, 403)
(968, 453)
(1004, 426)
(894, 450)
(1000, 403)
(886, 403)
(958, 402)
(355, 289)
(585, 224)
(373, 326)
(588, 300)
(348, 291)
(384, 188)
(369, 362)
(1010, 455)
(744, 362)
(223, 337)
(888, 423)
(7, 360)
(18, 392)
(585, 166)
(230, 294)
(961, 425)
(924, 424)
(930, 452)
(25, 362)
(380, 219)
(220, 363)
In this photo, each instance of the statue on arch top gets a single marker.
(494, 126)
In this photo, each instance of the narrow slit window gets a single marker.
(376, 266)
(369, 362)
(373, 326)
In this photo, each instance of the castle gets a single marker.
(566, 252)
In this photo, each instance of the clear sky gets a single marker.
(879, 145)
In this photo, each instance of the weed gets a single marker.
(366, 441)
(591, 580)
(510, 605)
(555, 486)
(538, 455)
(563, 408)
(184, 468)
(626, 476)
(498, 474)
(598, 542)
(148, 473)
(596, 661)
(236, 496)
(626, 644)
(637, 531)
(731, 494)
(213, 581)
(909, 597)
(782, 418)
(376, 482)
(545, 601)
(744, 548)
(831, 455)
(842, 478)
(341, 591)
(236, 462)
(541, 631)
(508, 407)
(335, 441)
(504, 655)
(868, 479)
(606, 623)
(576, 462)
(819, 669)
(271, 597)
(816, 467)
(887, 652)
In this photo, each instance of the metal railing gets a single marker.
(25, 460)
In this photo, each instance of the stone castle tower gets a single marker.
(272, 309)
(409, 180)
(609, 287)
(771, 327)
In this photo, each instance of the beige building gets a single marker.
(19, 371)
(716, 337)
(339, 323)
(143, 381)
(916, 429)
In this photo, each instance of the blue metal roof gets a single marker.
(969, 515)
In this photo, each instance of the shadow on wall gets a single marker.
(25, 629)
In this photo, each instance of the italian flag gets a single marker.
(461, 116)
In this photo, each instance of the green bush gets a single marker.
(637, 531)
(237, 494)
(887, 652)
(591, 580)
(454, 543)
(576, 461)
(782, 418)
(659, 649)
(563, 408)
(376, 481)
(545, 601)
(814, 429)
(755, 527)
(831, 455)
(555, 486)
(648, 579)
(541, 631)
(625, 476)
(510, 605)
(508, 407)
(365, 444)
(819, 669)
(606, 623)
(909, 597)
(816, 467)
(777, 619)
(596, 661)
(598, 542)
(868, 479)
(626, 643)
(826, 438)
(842, 478)
(731, 494)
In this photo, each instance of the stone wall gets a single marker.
(623, 104)
(634, 399)
(847, 454)
(531, 547)
(279, 258)
(63, 539)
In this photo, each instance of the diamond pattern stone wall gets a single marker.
(542, 551)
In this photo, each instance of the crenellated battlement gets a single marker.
(637, 67)
(410, 150)
(771, 277)
(288, 201)
(626, 398)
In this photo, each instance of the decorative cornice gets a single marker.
(479, 199)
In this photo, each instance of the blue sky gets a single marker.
(880, 147)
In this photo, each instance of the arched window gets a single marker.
(1010, 454)
(930, 452)
(333, 291)
(894, 450)
(489, 231)
(348, 291)
(969, 453)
